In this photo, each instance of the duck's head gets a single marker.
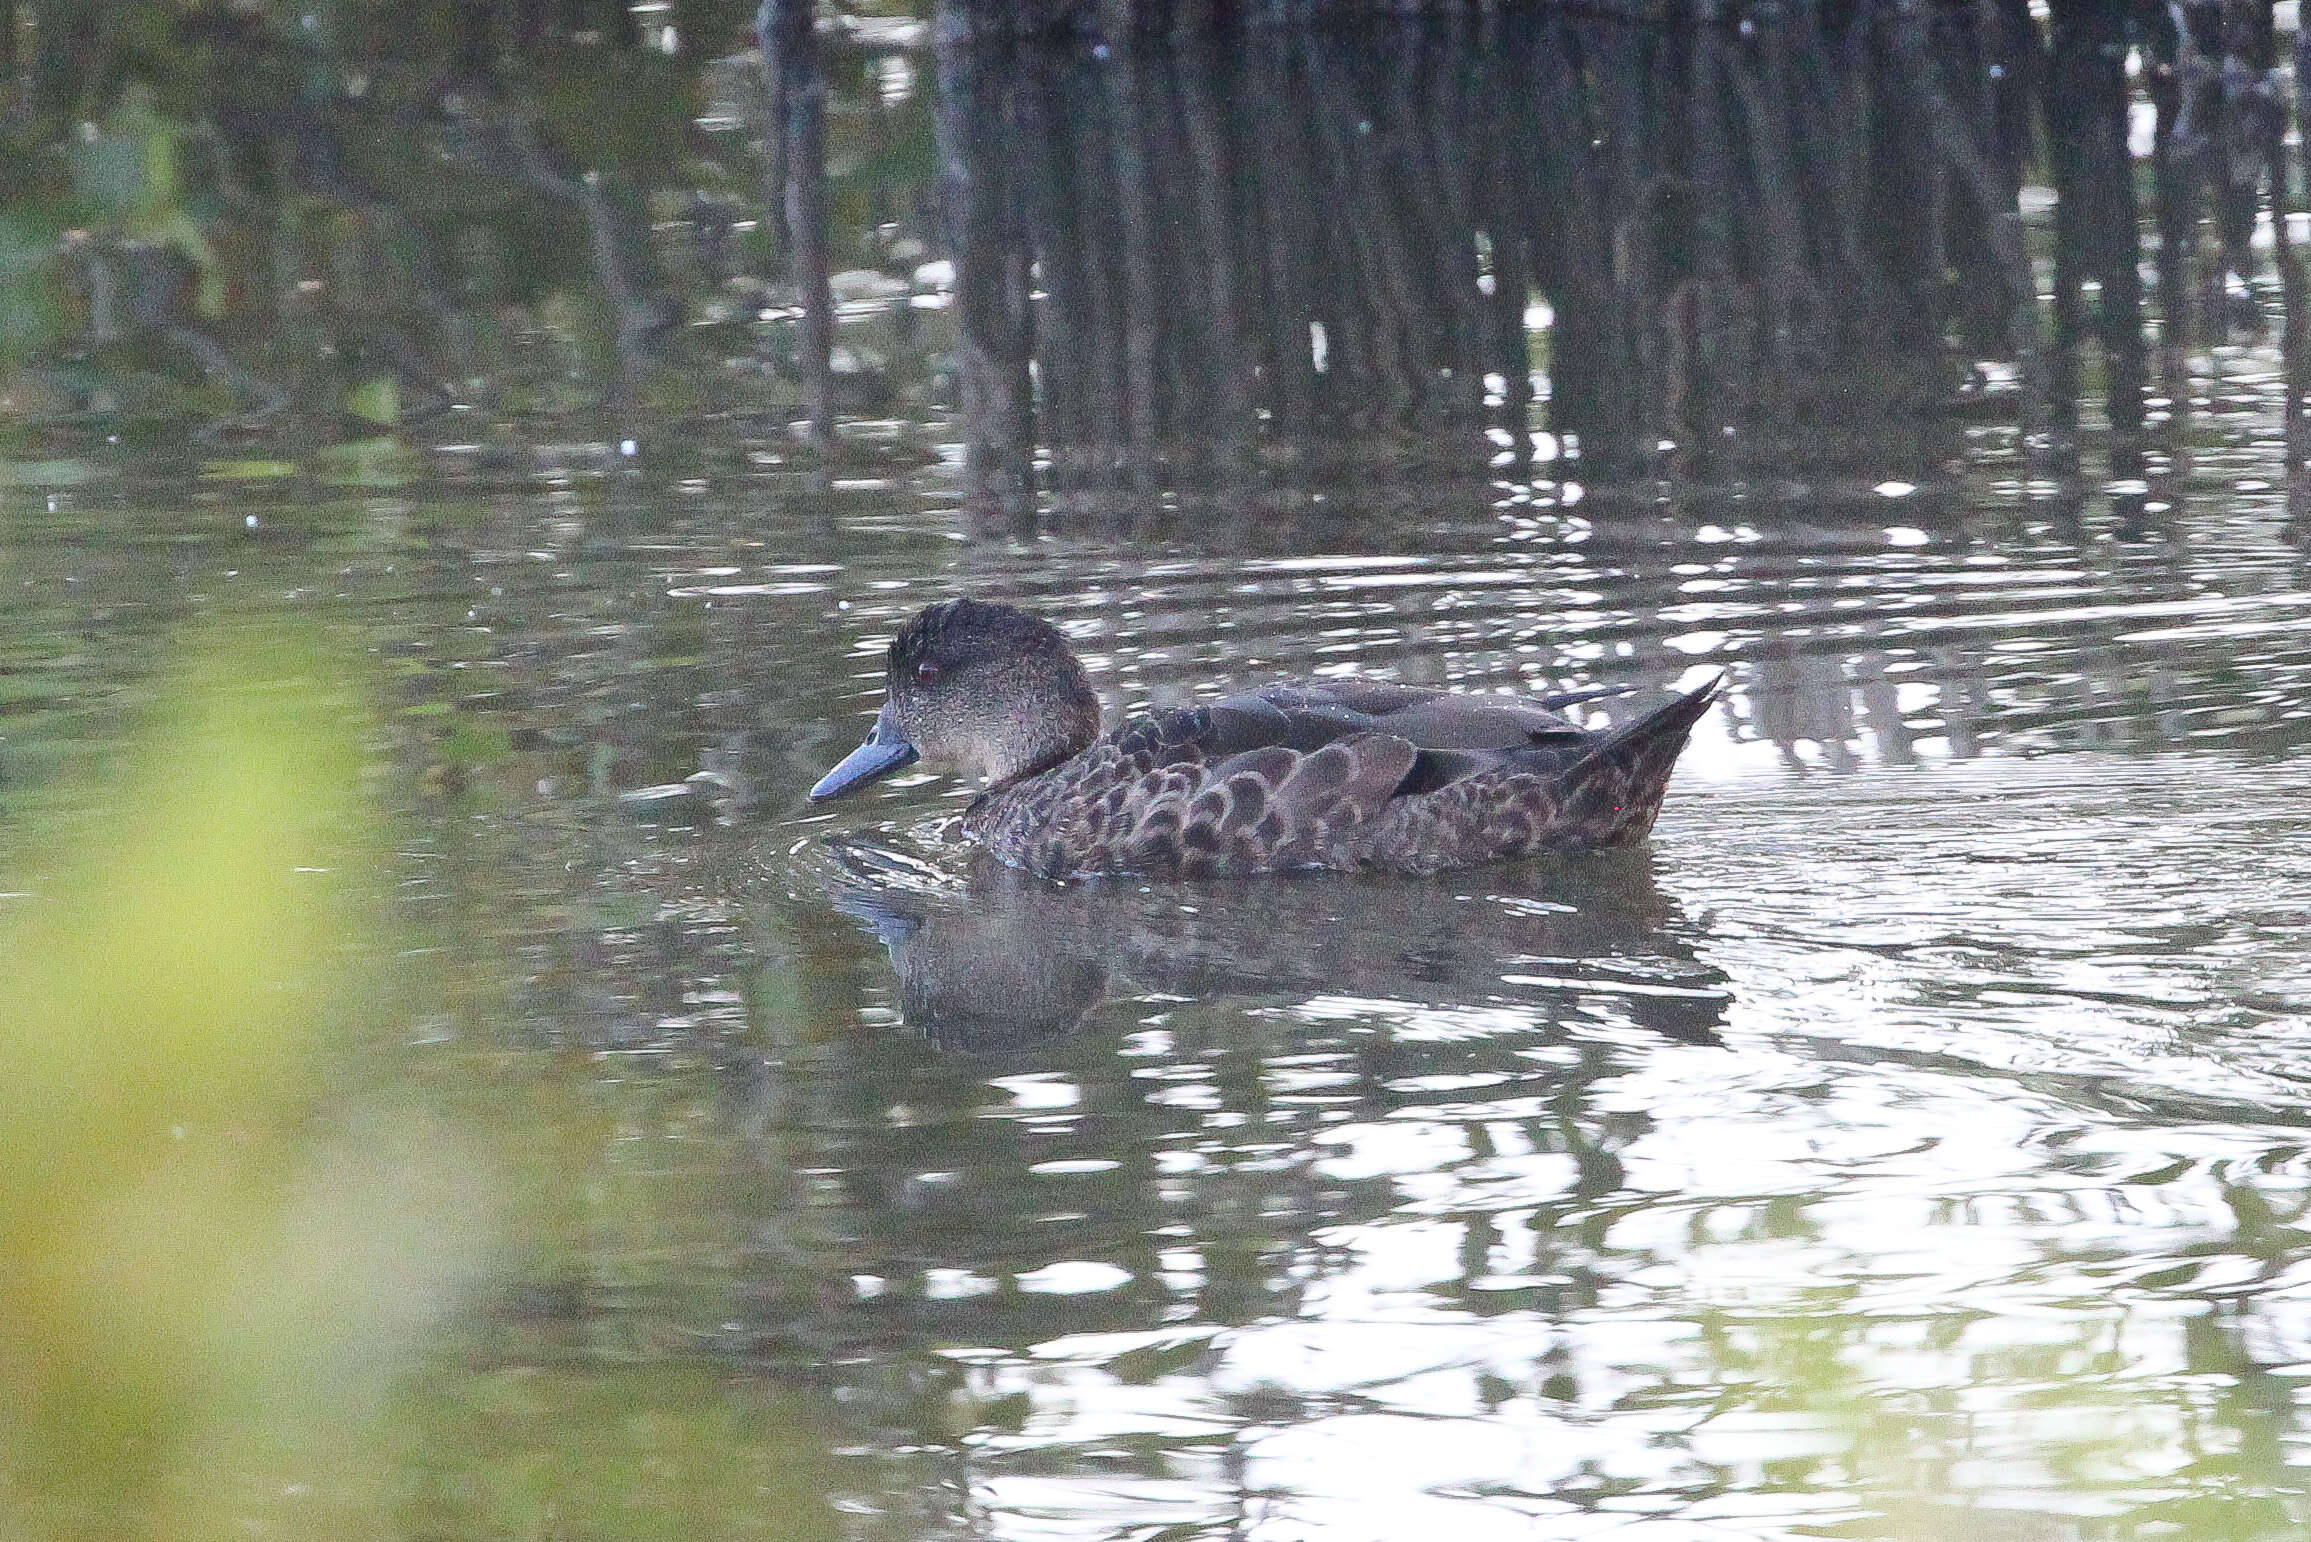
(982, 689)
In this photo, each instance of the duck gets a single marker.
(1340, 774)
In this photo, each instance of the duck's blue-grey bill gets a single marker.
(883, 753)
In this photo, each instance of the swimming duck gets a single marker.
(1340, 774)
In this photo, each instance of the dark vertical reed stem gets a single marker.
(791, 55)
(993, 258)
(2095, 224)
(1963, 151)
(2174, 184)
(1130, 108)
(2295, 340)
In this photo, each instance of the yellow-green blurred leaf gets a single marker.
(379, 462)
(127, 169)
(376, 401)
(47, 473)
(207, 1268)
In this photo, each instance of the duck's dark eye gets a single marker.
(926, 672)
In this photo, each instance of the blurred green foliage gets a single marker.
(202, 1257)
(235, 1229)
(324, 219)
(31, 307)
(129, 186)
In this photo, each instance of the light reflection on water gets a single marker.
(1911, 1143)
(1982, 1186)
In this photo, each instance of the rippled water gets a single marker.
(1912, 1141)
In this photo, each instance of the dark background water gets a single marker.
(1910, 1142)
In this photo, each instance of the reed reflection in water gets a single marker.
(1256, 258)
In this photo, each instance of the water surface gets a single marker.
(1909, 1142)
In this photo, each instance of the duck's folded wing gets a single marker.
(1265, 808)
(1181, 791)
(1310, 716)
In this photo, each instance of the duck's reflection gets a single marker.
(1006, 961)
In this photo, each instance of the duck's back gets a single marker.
(1337, 774)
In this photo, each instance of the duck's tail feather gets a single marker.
(1564, 699)
(1612, 794)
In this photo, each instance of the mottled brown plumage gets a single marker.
(1347, 774)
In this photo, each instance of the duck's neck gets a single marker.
(1003, 796)
(1051, 737)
